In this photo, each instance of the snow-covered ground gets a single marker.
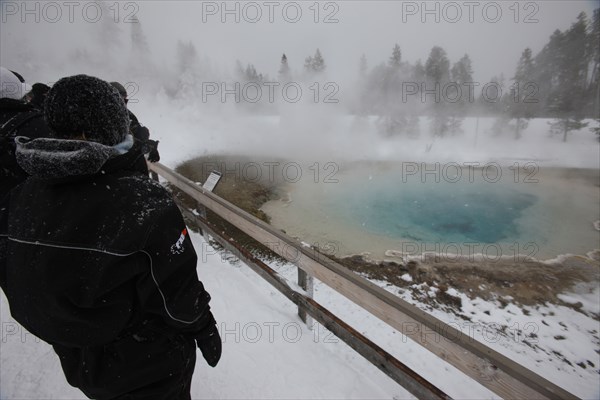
(541, 338)
(267, 352)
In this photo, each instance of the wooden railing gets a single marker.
(491, 369)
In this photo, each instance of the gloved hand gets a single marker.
(153, 155)
(209, 343)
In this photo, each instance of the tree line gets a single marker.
(560, 82)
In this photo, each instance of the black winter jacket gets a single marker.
(11, 107)
(91, 249)
(16, 119)
(142, 135)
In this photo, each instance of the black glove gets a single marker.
(209, 343)
(153, 155)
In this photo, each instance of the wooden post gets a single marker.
(209, 184)
(306, 282)
(202, 212)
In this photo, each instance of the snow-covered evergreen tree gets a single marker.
(396, 57)
(594, 82)
(437, 66)
(458, 93)
(567, 98)
(524, 91)
(187, 69)
(314, 64)
(418, 72)
(250, 74)
(437, 74)
(284, 69)
(318, 62)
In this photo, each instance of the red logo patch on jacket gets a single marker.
(178, 248)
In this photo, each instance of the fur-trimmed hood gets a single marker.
(47, 158)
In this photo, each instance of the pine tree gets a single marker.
(396, 57)
(308, 64)
(284, 69)
(596, 129)
(461, 76)
(318, 62)
(593, 89)
(566, 100)
(251, 75)
(187, 69)
(577, 52)
(525, 67)
(522, 100)
(437, 66)
(462, 71)
(418, 72)
(314, 64)
(548, 64)
(437, 74)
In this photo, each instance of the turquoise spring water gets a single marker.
(434, 212)
(369, 208)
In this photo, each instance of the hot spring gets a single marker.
(394, 209)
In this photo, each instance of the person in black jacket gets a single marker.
(139, 132)
(16, 118)
(37, 95)
(95, 258)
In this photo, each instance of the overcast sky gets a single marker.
(493, 33)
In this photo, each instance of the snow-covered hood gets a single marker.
(48, 158)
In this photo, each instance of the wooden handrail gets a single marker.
(396, 370)
(491, 369)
